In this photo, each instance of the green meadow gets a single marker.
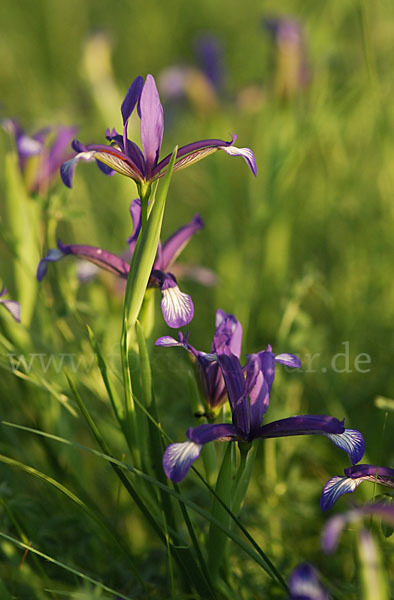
(302, 255)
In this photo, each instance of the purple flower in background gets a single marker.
(11, 305)
(304, 584)
(336, 524)
(337, 486)
(248, 392)
(292, 71)
(228, 331)
(176, 306)
(41, 154)
(125, 157)
(209, 53)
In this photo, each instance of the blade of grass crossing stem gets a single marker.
(137, 282)
(64, 566)
(258, 555)
(112, 394)
(186, 568)
(217, 539)
(157, 448)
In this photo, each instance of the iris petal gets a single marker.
(177, 307)
(351, 441)
(178, 459)
(335, 488)
(246, 154)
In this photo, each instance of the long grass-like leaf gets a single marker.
(257, 555)
(64, 566)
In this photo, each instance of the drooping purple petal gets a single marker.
(152, 124)
(191, 153)
(131, 98)
(111, 157)
(12, 306)
(177, 307)
(223, 432)
(301, 425)
(166, 341)
(178, 458)
(336, 524)
(53, 255)
(135, 212)
(351, 441)
(335, 488)
(174, 245)
(383, 475)
(67, 169)
(102, 258)
(289, 360)
(246, 154)
(304, 584)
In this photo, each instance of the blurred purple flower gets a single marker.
(125, 157)
(176, 306)
(209, 53)
(248, 391)
(337, 486)
(41, 154)
(335, 525)
(304, 584)
(11, 305)
(292, 71)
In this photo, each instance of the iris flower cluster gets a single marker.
(248, 391)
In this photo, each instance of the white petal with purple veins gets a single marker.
(167, 340)
(178, 459)
(289, 360)
(351, 441)
(246, 154)
(176, 306)
(335, 488)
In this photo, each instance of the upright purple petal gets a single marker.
(258, 391)
(236, 390)
(152, 124)
(131, 98)
(267, 366)
(228, 333)
(176, 243)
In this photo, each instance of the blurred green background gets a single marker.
(303, 253)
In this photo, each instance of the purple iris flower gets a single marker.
(228, 332)
(337, 486)
(11, 305)
(248, 392)
(49, 146)
(125, 157)
(176, 306)
(304, 584)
